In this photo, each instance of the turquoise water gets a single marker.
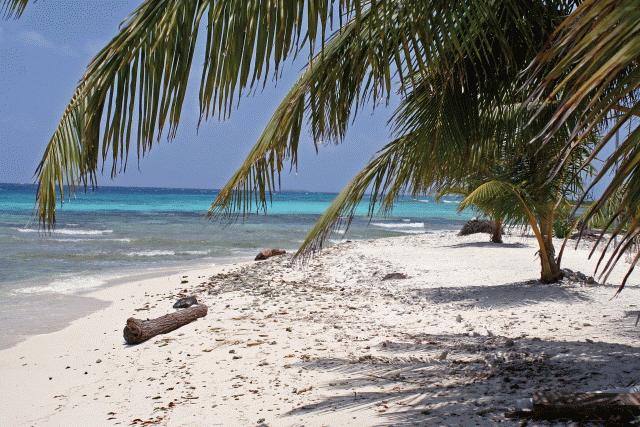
(115, 232)
(130, 228)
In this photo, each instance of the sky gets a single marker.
(43, 55)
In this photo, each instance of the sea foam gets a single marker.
(68, 285)
(402, 227)
(151, 253)
(398, 225)
(66, 231)
(73, 240)
(160, 252)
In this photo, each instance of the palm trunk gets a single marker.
(496, 236)
(550, 269)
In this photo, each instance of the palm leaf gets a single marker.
(590, 70)
(13, 8)
(134, 88)
(428, 45)
(501, 199)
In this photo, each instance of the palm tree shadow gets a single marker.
(488, 245)
(500, 296)
(480, 379)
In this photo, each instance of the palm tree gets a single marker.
(589, 71)
(520, 186)
(512, 180)
(464, 190)
(525, 195)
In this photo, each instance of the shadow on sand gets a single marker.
(501, 296)
(488, 245)
(476, 383)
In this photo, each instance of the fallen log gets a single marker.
(138, 331)
(609, 406)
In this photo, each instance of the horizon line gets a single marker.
(168, 188)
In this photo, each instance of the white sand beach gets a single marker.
(330, 343)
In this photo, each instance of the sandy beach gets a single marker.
(467, 333)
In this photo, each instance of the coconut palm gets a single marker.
(497, 223)
(464, 190)
(590, 72)
(519, 186)
(525, 195)
(511, 179)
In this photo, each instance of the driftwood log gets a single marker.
(138, 331)
(595, 406)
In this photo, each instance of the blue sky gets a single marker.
(44, 53)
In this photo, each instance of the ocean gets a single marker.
(116, 232)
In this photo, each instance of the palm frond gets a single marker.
(134, 89)
(455, 190)
(145, 65)
(590, 70)
(387, 175)
(12, 8)
(427, 45)
(501, 199)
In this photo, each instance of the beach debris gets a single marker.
(615, 405)
(586, 234)
(577, 276)
(477, 226)
(268, 253)
(185, 302)
(137, 331)
(394, 276)
(302, 390)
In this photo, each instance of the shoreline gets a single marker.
(66, 307)
(284, 345)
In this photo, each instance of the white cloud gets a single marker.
(36, 39)
(33, 38)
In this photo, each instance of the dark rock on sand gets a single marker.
(577, 276)
(268, 253)
(394, 276)
(185, 302)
